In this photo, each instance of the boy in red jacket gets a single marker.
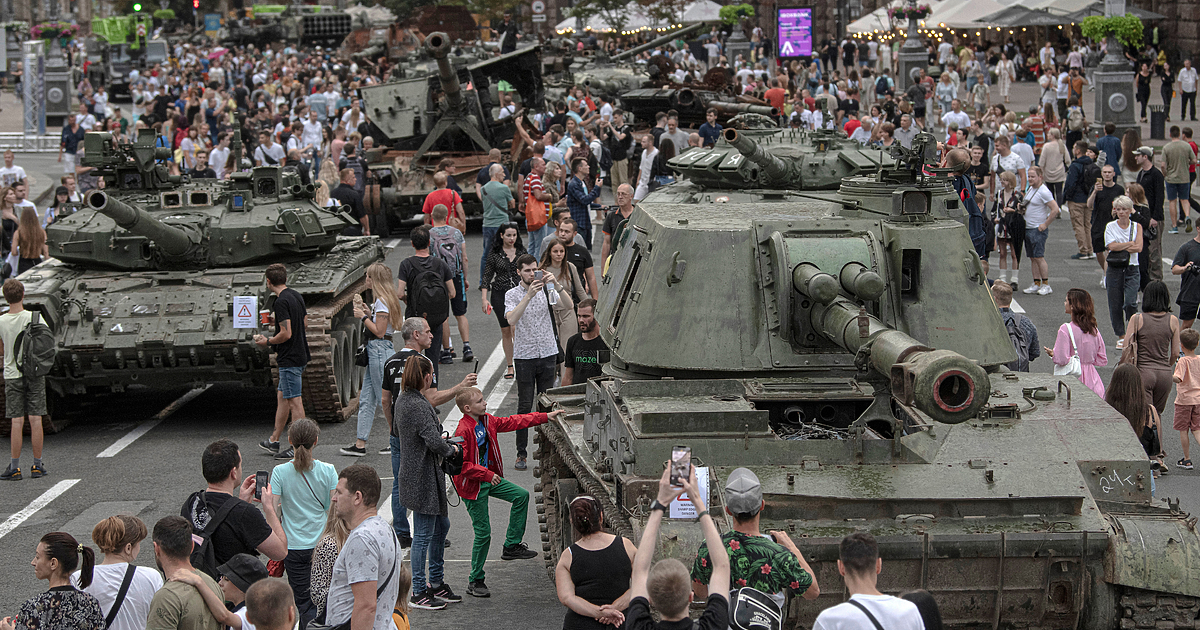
(483, 476)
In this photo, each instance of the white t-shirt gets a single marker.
(369, 554)
(606, 111)
(275, 151)
(1114, 233)
(312, 133)
(944, 50)
(960, 118)
(21, 205)
(380, 308)
(1187, 80)
(1064, 85)
(1039, 207)
(10, 176)
(1012, 163)
(217, 158)
(873, 50)
(87, 121)
(1024, 150)
(892, 613)
(106, 581)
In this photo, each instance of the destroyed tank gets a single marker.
(848, 352)
(142, 281)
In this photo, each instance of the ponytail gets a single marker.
(63, 547)
(303, 435)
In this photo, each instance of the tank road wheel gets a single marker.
(354, 337)
(341, 368)
(1100, 611)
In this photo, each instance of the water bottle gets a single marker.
(553, 291)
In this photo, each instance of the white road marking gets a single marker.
(391, 243)
(53, 493)
(1168, 262)
(487, 371)
(146, 426)
(1016, 308)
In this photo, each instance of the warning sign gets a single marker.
(141, 30)
(245, 311)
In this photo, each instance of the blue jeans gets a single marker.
(536, 237)
(489, 235)
(399, 512)
(371, 394)
(1122, 291)
(429, 540)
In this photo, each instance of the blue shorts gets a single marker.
(1035, 242)
(1179, 191)
(289, 381)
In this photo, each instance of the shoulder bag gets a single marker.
(561, 357)
(1073, 366)
(124, 590)
(1120, 259)
(1129, 354)
(866, 612)
(315, 625)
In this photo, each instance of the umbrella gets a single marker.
(217, 53)
(1018, 15)
(1097, 8)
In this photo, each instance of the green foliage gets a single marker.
(404, 8)
(164, 14)
(734, 13)
(1126, 28)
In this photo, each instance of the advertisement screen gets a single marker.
(795, 32)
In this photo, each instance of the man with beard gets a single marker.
(586, 351)
(176, 604)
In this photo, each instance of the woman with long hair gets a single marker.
(1006, 73)
(8, 216)
(62, 607)
(1010, 225)
(1141, 216)
(321, 196)
(501, 273)
(1081, 336)
(120, 539)
(1156, 332)
(592, 575)
(380, 321)
(1166, 87)
(1055, 160)
(565, 274)
(329, 545)
(1131, 140)
(303, 487)
(660, 173)
(1127, 394)
(29, 241)
(1122, 240)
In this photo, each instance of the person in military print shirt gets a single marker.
(769, 564)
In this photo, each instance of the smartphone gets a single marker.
(537, 275)
(476, 370)
(681, 464)
(261, 479)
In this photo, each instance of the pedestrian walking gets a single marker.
(1155, 334)
(1154, 184)
(1143, 88)
(1166, 87)
(24, 396)
(290, 343)
(1187, 90)
(1080, 337)
(1126, 394)
(1187, 265)
(380, 322)
(1041, 210)
(1122, 240)
(427, 285)
(124, 607)
(1178, 159)
(1009, 220)
(1055, 161)
(62, 607)
(555, 264)
(592, 575)
(497, 203)
(1081, 182)
(1100, 203)
(1187, 396)
(449, 244)
(501, 273)
(1021, 330)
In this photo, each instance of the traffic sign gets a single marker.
(539, 17)
(539, 6)
(141, 30)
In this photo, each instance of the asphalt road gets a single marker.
(153, 473)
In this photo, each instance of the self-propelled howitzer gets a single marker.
(141, 284)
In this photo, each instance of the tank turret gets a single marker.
(743, 108)
(174, 241)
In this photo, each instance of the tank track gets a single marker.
(552, 466)
(1139, 608)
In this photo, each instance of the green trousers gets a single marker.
(504, 490)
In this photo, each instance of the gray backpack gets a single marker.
(1019, 340)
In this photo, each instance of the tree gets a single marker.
(615, 12)
(669, 11)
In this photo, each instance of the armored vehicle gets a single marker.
(141, 284)
(296, 23)
(849, 353)
(451, 114)
(116, 49)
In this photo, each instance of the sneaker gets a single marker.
(36, 471)
(453, 354)
(286, 454)
(1121, 344)
(11, 474)
(354, 451)
(478, 589)
(269, 446)
(447, 358)
(1173, 230)
(1033, 288)
(1104, 282)
(425, 601)
(444, 593)
(1187, 225)
(1091, 256)
(468, 354)
(519, 551)
(520, 465)
(387, 450)
(1045, 290)
(1079, 256)
(1185, 464)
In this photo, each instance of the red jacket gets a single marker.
(467, 483)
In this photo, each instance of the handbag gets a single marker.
(360, 354)
(1073, 366)
(1120, 259)
(752, 609)
(1129, 354)
(275, 568)
(535, 213)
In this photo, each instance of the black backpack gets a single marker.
(1087, 180)
(882, 88)
(36, 348)
(427, 295)
(606, 161)
(1019, 340)
(204, 556)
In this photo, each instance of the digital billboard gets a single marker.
(795, 32)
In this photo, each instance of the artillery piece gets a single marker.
(846, 348)
(141, 284)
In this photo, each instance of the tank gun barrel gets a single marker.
(171, 240)
(944, 385)
(776, 168)
(438, 46)
(743, 108)
(658, 41)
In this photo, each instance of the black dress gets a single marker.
(600, 577)
(1143, 91)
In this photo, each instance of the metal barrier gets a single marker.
(19, 142)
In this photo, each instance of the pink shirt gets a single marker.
(1187, 391)
(1091, 354)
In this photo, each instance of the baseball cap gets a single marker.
(242, 570)
(743, 492)
(1146, 151)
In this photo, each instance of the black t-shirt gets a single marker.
(349, 197)
(485, 176)
(979, 173)
(1189, 290)
(1102, 208)
(289, 306)
(581, 257)
(414, 266)
(848, 50)
(715, 616)
(985, 141)
(526, 168)
(242, 531)
(393, 372)
(849, 106)
(586, 357)
(612, 221)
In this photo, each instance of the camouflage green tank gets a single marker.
(848, 351)
(141, 283)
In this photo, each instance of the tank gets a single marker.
(141, 283)
(848, 352)
(296, 23)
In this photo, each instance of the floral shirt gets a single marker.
(757, 562)
(60, 608)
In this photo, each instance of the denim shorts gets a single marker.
(1035, 242)
(1179, 191)
(289, 381)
